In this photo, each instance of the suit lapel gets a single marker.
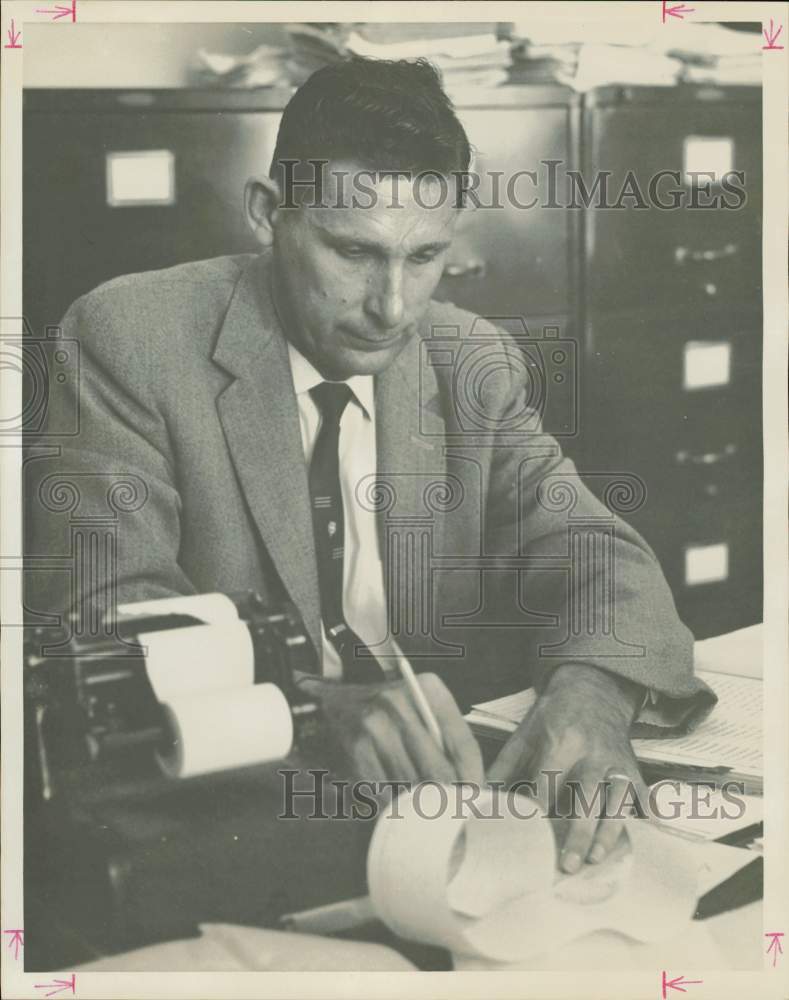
(260, 419)
(259, 415)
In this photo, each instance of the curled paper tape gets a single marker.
(199, 658)
(414, 889)
(213, 609)
(480, 879)
(217, 730)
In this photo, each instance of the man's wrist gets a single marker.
(620, 693)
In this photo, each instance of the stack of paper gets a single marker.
(589, 54)
(479, 60)
(307, 48)
(729, 739)
(714, 54)
(313, 46)
(266, 66)
(598, 65)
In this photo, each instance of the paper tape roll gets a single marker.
(218, 730)
(186, 661)
(506, 901)
(213, 609)
(409, 868)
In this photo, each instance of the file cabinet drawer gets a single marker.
(681, 235)
(714, 565)
(663, 386)
(709, 544)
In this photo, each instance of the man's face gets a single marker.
(353, 282)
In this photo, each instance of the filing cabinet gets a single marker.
(672, 337)
(509, 259)
(216, 143)
(701, 148)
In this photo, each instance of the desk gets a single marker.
(129, 872)
(118, 871)
(114, 869)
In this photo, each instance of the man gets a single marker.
(292, 439)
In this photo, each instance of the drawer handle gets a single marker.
(706, 457)
(473, 268)
(681, 254)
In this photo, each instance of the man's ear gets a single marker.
(261, 198)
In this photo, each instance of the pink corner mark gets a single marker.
(775, 945)
(678, 10)
(772, 35)
(62, 11)
(59, 984)
(13, 37)
(677, 984)
(17, 940)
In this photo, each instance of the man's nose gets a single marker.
(385, 300)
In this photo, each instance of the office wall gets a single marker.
(143, 55)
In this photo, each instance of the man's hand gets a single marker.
(579, 728)
(380, 735)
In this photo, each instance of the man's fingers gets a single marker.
(516, 755)
(464, 752)
(365, 760)
(584, 801)
(510, 760)
(429, 760)
(626, 795)
(461, 748)
(606, 838)
(623, 797)
(386, 736)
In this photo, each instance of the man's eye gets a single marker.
(424, 258)
(351, 252)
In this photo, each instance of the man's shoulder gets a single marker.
(444, 317)
(459, 345)
(156, 317)
(207, 280)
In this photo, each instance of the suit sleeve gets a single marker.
(591, 587)
(102, 504)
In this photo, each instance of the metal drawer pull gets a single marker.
(473, 268)
(706, 457)
(681, 254)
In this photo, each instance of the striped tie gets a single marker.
(359, 666)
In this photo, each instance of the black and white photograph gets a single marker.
(394, 499)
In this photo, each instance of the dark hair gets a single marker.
(384, 114)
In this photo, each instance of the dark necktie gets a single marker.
(328, 522)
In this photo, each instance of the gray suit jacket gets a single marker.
(499, 561)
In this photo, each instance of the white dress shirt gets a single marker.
(364, 596)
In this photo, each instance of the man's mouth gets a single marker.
(375, 341)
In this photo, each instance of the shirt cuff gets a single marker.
(661, 717)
